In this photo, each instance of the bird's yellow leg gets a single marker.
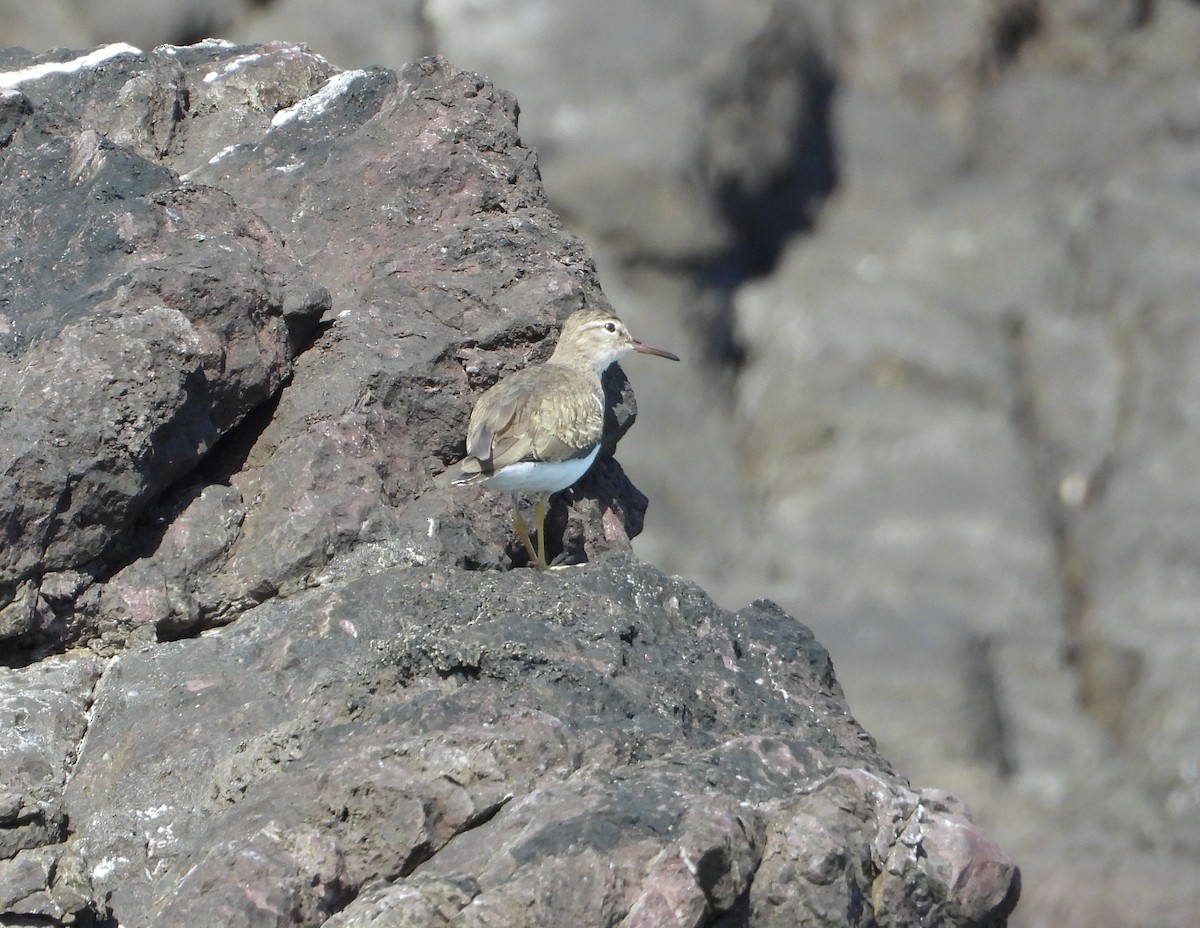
(539, 515)
(522, 531)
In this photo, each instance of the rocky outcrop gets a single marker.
(437, 275)
(948, 416)
(262, 671)
(517, 748)
(954, 428)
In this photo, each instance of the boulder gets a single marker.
(301, 685)
(596, 745)
(147, 357)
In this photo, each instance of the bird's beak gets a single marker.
(647, 349)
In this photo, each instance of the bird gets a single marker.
(539, 429)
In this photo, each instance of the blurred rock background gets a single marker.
(934, 265)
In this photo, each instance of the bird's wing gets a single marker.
(559, 421)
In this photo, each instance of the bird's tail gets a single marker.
(466, 472)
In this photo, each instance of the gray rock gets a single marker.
(43, 714)
(601, 743)
(937, 56)
(669, 129)
(1134, 672)
(349, 726)
(383, 397)
(1016, 180)
(1023, 280)
(39, 887)
(145, 319)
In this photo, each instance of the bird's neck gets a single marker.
(579, 362)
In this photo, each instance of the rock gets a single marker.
(146, 318)
(600, 743)
(43, 709)
(679, 162)
(22, 880)
(1026, 125)
(416, 902)
(937, 56)
(38, 887)
(1064, 315)
(814, 844)
(306, 709)
(1133, 672)
(1015, 182)
(384, 395)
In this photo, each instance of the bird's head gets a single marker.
(596, 338)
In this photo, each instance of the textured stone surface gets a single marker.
(178, 310)
(976, 380)
(682, 158)
(982, 502)
(43, 714)
(980, 496)
(584, 746)
(286, 703)
(145, 318)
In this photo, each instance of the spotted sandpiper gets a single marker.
(539, 429)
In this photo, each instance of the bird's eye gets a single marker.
(610, 327)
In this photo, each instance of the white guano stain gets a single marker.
(90, 60)
(313, 106)
(236, 65)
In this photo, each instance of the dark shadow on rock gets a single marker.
(766, 210)
(229, 455)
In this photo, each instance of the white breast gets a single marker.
(541, 476)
